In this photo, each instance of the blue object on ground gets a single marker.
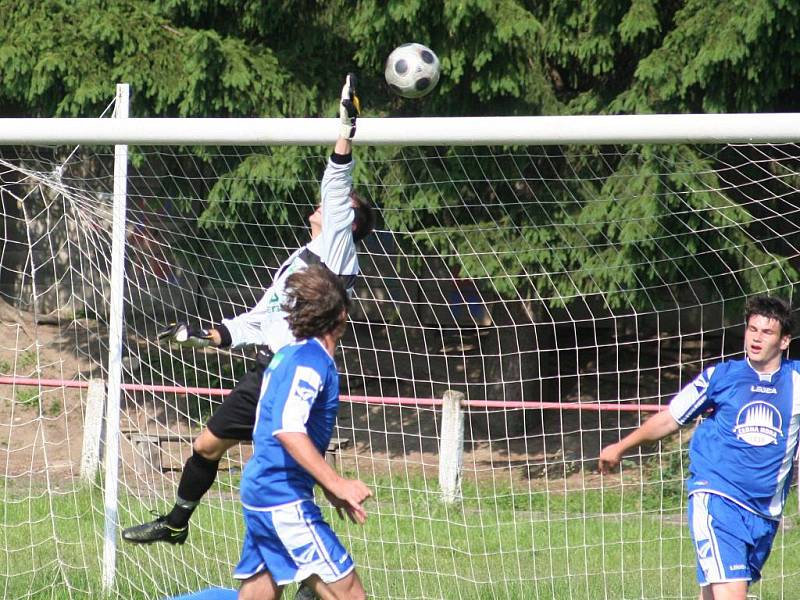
(209, 594)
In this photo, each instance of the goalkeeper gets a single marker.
(340, 221)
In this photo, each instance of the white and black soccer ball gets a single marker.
(412, 70)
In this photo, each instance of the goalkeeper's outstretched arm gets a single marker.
(349, 109)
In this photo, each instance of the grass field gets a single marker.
(618, 542)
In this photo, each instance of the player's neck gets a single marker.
(766, 367)
(329, 342)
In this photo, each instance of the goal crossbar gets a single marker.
(416, 131)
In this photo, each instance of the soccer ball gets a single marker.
(412, 70)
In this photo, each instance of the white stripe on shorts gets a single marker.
(296, 531)
(703, 530)
(323, 551)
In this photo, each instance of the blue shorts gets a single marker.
(292, 542)
(732, 543)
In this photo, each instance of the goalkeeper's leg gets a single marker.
(197, 477)
(231, 423)
(199, 474)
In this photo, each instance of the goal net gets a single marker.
(560, 293)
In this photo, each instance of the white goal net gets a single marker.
(564, 290)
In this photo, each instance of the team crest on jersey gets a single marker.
(759, 424)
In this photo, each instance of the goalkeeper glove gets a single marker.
(184, 335)
(349, 108)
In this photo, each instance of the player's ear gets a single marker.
(785, 341)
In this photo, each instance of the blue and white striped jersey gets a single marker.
(265, 323)
(744, 447)
(300, 393)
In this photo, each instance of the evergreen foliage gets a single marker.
(246, 58)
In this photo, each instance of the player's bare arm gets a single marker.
(351, 493)
(654, 429)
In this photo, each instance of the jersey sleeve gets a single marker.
(246, 328)
(693, 400)
(338, 247)
(293, 403)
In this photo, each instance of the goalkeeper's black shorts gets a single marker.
(236, 416)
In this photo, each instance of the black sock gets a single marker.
(197, 478)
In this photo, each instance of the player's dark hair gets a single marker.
(316, 302)
(364, 217)
(771, 307)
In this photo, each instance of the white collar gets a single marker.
(763, 376)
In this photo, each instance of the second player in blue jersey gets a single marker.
(741, 453)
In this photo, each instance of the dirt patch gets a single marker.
(41, 427)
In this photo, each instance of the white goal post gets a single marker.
(561, 277)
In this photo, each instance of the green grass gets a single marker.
(28, 397)
(27, 360)
(621, 542)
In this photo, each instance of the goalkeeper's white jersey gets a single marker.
(266, 323)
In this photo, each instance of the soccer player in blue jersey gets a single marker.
(740, 454)
(286, 538)
(339, 222)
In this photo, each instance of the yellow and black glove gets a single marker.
(184, 335)
(349, 108)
